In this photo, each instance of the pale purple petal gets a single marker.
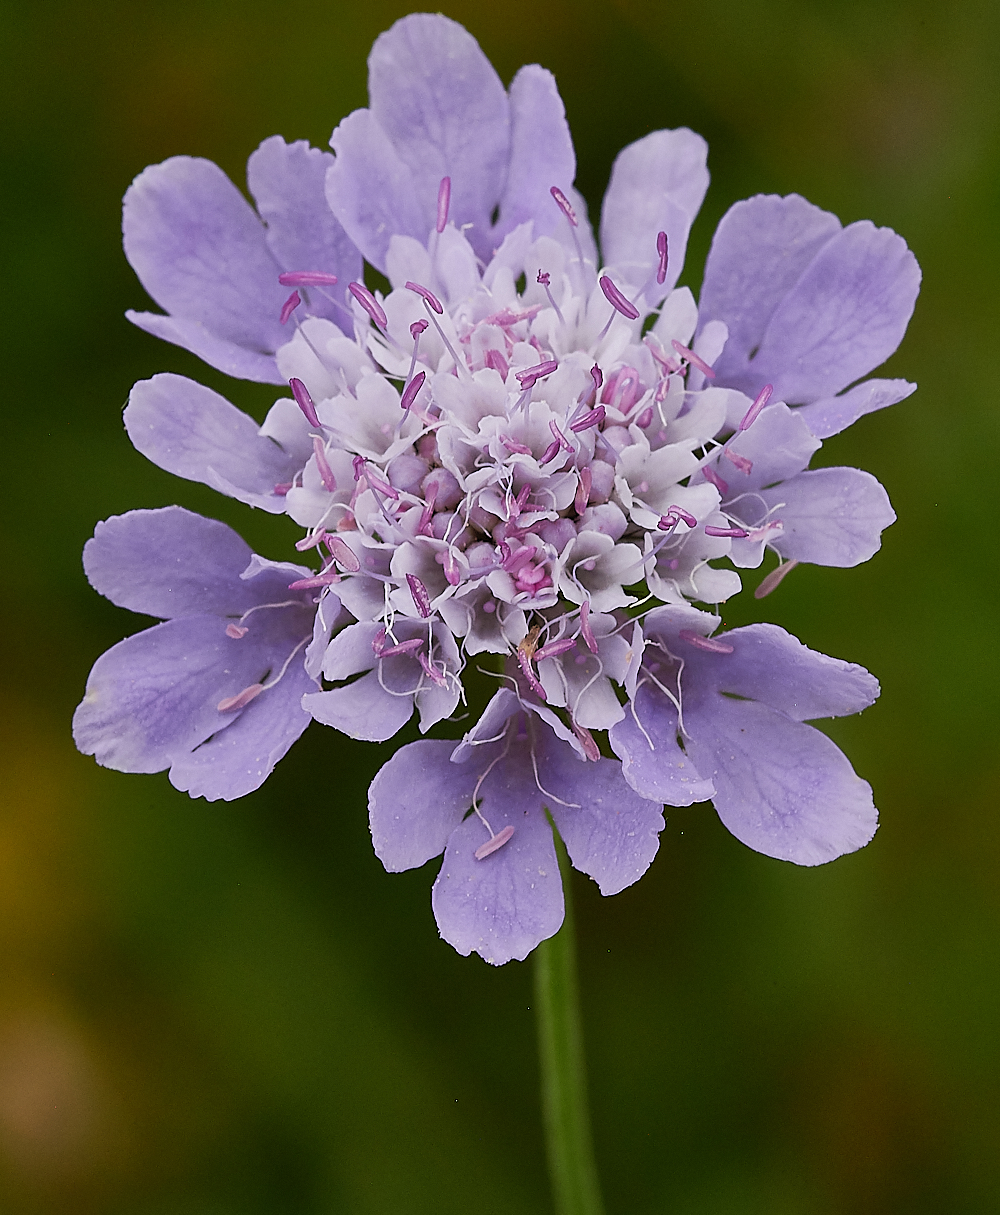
(769, 665)
(779, 444)
(238, 759)
(201, 253)
(760, 249)
(657, 184)
(288, 182)
(170, 562)
(363, 709)
(502, 704)
(504, 905)
(613, 833)
(444, 108)
(541, 155)
(830, 516)
(831, 415)
(193, 432)
(645, 740)
(331, 615)
(781, 787)
(843, 318)
(371, 190)
(224, 355)
(351, 651)
(416, 801)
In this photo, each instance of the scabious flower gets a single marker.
(524, 450)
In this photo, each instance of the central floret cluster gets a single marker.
(518, 449)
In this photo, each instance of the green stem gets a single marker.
(575, 1185)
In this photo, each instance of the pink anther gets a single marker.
(586, 629)
(369, 303)
(411, 390)
(560, 438)
(322, 465)
(307, 278)
(772, 580)
(554, 648)
(306, 584)
(583, 490)
(587, 741)
(529, 375)
(617, 300)
(343, 554)
(524, 662)
(594, 418)
(378, 641)
(520, 500)
(645, 419)
(713, 477)
(562, 202)
(694, 359)
(427, 296)
(282, 488)
(494, 844)
(289, 306)
(495, 359)
(597, 375)
(404, 647)
(452, 569)
(737, 533)
(421, 599)
(550, 452)
(311, 541)
(359, 467)
(661, 249)
(544, 278)
(738, 461)
(431, 671)
(236, 631)
(512, 445)
(674, 516)
(304, 401)
(417, 328)
(444, 201)
(753, 413)
(232, 703)
(709, 644)
(518, 558)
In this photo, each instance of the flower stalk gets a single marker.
(566, 1114)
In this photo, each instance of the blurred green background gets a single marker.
(231, 1009)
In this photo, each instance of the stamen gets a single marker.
(594, 418)
(431, 671)
(308, 542)
(359, 467)
(617, 300)
(560, 438)
(427, 296)
(322, 465)
(709, 644)
(583, 490)
(737, 533)
(369, 303)
(343, 554)
(404, 647)
(554, 648)
(645, 419)
(307, 278)
(597, 375)
(738, 461)
(661, 249)
(512, 445)
(550, 452)
(236, 631)
(494, 844)
(231, 703)
(773, 579)
(304, 401)
(499, 364)
(421, 599)
(694, 359)
(525, 664)
(417, 328)
(713, 477)
(289, 306)
(378, 641)
(528, 377)
(411, 390)
(590, 747)
(282, 488)
(306, 584)
(562, 202)
(586, 631)
(674, 516)
(754, 411)
(444, 201)
(452, 570)
(544, 278)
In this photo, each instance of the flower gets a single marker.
(214, 692)
(521, 449)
